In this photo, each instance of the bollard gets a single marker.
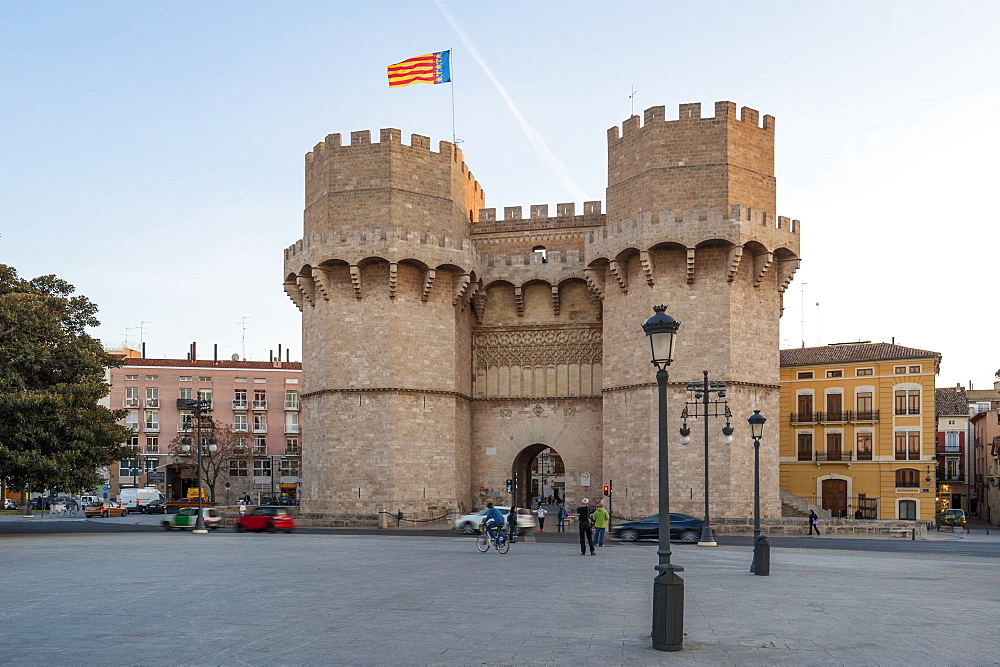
(383, 518)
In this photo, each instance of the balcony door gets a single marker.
(805, 407)
(835, 407)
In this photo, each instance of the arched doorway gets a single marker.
(538, 471)
(835, 496)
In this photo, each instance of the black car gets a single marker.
(682, 527)
(153, 507)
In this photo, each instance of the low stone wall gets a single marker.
(800, 526)
(383, 519)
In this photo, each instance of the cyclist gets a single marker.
(493, 520)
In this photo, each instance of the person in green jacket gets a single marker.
(601, 518)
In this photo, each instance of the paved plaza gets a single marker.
(227, 598)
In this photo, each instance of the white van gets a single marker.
(132, 498)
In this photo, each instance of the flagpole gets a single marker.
(454, 137)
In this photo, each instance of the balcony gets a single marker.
(131, 402)
(803, 417)
(839, 417)
(239, 405)
(291, 428)
(152, 402)
(260, 405)
(239, 428)
(291, 405)
(152, 428)
(863, 416)
(259, 428)
(834, 456)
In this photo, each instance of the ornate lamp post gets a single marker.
(200, 408)
(761, 547)
(668, 588)
(705, 407)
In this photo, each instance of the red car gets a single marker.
(269, 518)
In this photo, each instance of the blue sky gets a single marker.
(153, 151)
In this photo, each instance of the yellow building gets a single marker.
(858, 430)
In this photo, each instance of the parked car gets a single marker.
(682, 527)
(954, 517)
(469, 523)
(154, 507)
(105, 509)
(187, 517)
(9, 504)
(269, 518)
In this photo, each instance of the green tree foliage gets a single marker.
(53, 433)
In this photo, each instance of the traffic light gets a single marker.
(510, 486)
(607, 490)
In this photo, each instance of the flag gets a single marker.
(428, 68)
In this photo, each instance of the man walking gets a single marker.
(585, 517)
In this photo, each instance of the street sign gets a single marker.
(228, 485)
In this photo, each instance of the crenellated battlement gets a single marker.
(539, 218)
(725, 112)
(370, 237)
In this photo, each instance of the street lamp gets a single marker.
(668, 588)
(761, 547)
(705, 407)
(200, 408)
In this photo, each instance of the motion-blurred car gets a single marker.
(682, 527)
(187, 517)
(270, 518)
(104, 509)
(154, 507)
(9, 504)
(469, 523)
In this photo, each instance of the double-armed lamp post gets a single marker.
(668, 587)
(200, 408)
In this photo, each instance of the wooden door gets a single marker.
(835, 407)
(835, 496)
(805, 407)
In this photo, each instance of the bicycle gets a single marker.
(487, 538)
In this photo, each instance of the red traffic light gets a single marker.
(607, 490)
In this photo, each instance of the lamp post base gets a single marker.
(761, 565)
(200, 532)
(668, 612)
(707, 538)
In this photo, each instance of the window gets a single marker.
(132, 420)
(952, 470)
(262, 467)
(131, 377)
(951, 422)
(982, 406)
(204, 378)
(131, 397)
(804, 403)
(240, 423)
(289, 467)
(907, 401)
(835, 407)
(291, 400)
(865, 371)
(260, 423)
(291, 380)
(804, 375)
(205, 395)
(907, 478)
(259, 399)
(150, 464)
(152, 420)
(805, 446)
(899, 370)
(153, 378)
(864, 446)
(240, 399)
(259, 446)
(240, 445)
(907, 445)
(291, 446)
(863, 402)
(152, 444)
(908, 509)
(834, 446)
(914, 369)
(951, 441)
(185, 378)
(291, 422)
(259, 381)
(835, 374)
(240, 380)
(238, 468)
(152, 397)
(129, 468)
(541, 253)
(186, 393)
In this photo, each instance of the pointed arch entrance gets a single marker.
(538, 471)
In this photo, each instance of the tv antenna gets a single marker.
(243, 324)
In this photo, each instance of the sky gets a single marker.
(153, 152)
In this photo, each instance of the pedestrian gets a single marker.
(243, 507)
(561, 519)
(813, 522)
(541, 518)
(584, 514)
(601, 518)
(512, 525)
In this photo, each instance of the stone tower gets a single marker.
(444, 350)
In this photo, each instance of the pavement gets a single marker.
(319, 598)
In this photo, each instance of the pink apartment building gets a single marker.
(259, 400)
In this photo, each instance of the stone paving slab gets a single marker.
(248, 599)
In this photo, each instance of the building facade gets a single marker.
(858, 429)
(954, 464)
(986, 462)
(446, 348)
(259, 403)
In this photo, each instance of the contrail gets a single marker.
(558, 168)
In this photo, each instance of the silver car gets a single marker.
(469, 523)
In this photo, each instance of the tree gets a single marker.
(230, 446)
(53, 433)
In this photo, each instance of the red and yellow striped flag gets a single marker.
(428, 68)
